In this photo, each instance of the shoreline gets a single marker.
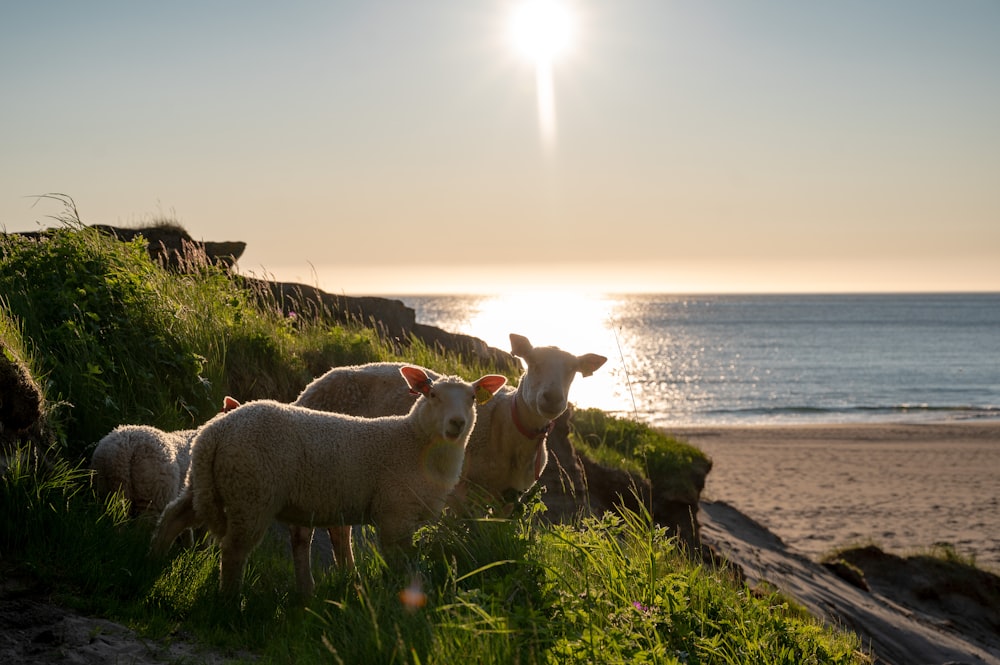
(902, 486)
(892, 430)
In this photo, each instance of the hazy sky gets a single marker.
(395, 147)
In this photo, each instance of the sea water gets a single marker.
(758, 359)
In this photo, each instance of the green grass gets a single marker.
(114, 338)
(636, 447)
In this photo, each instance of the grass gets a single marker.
(114, 338)
(636, 447)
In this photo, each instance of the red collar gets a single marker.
(536, 434)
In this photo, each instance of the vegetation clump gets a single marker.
(638, 448)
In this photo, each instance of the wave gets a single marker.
(854, 413)
(803, 415)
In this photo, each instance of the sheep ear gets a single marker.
(487, 387)
(417, 379)
(520, 346)
(589, 363)
(228, 404)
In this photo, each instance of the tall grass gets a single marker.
(86, 549)
(119, 339)
(629, 596)
(102, 334)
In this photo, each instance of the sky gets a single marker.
(403, 147)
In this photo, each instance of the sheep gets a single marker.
(269, 462)
(506, 452)
(146, 464)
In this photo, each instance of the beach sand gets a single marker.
(903, 487)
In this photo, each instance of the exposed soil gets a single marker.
(36, 631)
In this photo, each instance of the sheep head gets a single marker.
(549, 374)
(450, 401)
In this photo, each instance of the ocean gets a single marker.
(757, 359)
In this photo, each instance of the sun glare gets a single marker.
(541, 30)
(543, 317)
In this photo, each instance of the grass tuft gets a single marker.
(636, 447)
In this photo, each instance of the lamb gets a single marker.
(146, 464)
(269, 461)
(506, 452)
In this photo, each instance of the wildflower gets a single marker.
(639, 606)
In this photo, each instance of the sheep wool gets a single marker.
(147, 465)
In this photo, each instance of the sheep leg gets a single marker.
(396, 541)
(236, 549)
(247, 524)
(177, 516)
(301, 537)
(340, 540)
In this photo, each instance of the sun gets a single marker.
(541, 30)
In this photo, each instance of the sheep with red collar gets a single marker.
(506, 451)
(269, 462)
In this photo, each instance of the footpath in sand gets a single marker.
(902, 487)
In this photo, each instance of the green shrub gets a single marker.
(639, 448)
(101, 333)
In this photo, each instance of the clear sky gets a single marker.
(401, 147)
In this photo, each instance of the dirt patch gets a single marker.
(35, 631)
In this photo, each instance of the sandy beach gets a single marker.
(903, 487)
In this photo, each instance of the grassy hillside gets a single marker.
(112, 338)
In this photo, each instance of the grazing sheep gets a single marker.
(146, 464)
(506, 451)
(268, 461)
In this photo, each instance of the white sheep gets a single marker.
(147, 465)
(269, 461)
(506, 451)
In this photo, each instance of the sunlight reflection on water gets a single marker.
(577, 323)
(661, 374)
(677, 360)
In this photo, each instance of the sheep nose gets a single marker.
(456, 425)
(552, 398)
